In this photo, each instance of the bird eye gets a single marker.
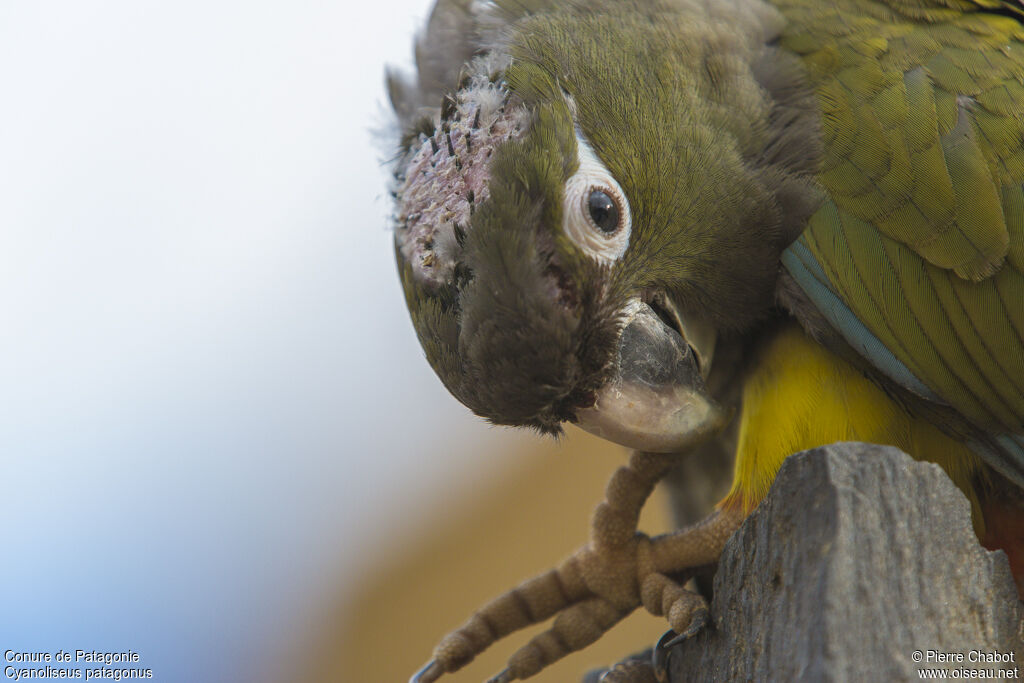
(603, 211)
(597, 217)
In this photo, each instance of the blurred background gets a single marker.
(220, 445)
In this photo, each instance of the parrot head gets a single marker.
(585, 213)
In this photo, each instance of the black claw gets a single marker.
(627, 671)
(697, 623)
(661, 655)
(428, 674)
(662, 652)
(503, 677)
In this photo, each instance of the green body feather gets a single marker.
(923, 123)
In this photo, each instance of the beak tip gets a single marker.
(669, 423)
(657, 401)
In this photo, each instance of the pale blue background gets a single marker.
(213, 410)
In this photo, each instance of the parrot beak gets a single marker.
(657, 401)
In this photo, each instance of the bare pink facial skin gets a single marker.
(447, 175)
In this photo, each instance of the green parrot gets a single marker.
(670, 222)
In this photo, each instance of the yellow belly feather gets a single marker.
(801, 396)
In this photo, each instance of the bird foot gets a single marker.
(602, 582)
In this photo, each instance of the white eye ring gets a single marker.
(603, 244)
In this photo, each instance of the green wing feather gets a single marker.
(922, 233)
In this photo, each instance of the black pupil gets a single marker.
(603, 211)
